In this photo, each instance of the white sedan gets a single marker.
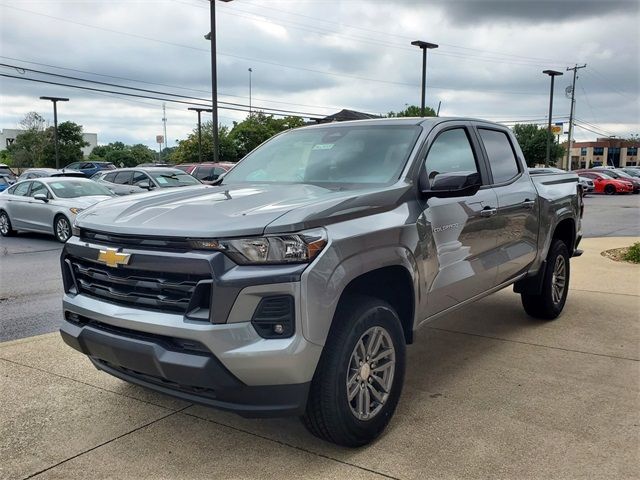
(48, 205)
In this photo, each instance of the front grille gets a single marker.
(167, 292)
(146, 242)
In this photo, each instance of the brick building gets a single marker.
(605, 151)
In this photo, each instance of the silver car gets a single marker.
(47, 205)
(125, 181)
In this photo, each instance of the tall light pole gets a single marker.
(200, 110)
(552, 74)
(214, 75)
(55, 101)
(250, 72)
(424, 46)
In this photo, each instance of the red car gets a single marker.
(187, 167)
(208, 172)
(604, 183)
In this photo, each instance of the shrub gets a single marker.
(633, 254)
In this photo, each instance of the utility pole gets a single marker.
(164, 121)
(200, 110)
(55, 101)
(552, 74)
(573, 106)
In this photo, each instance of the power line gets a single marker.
(144, 90)
(80, 87)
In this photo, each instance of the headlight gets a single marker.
(294, 248)
(75, 229)
(75, 210)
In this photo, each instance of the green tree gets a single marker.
(413, 111)
(533, 142)
(187, 150)
(258, 128)
(70, 144)
(28, 149)
(123, 155)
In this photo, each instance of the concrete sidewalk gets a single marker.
(489, 393)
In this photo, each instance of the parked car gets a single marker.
(155, 164)
(604, 183)
(208, 173)
(6, 170)
(90, 168)
(633, 171)
(47, 205)
(187, 167)
(5, 182)
(48, 172)
(294, 287)
(622, 176)
(587, 185)
(124, 181)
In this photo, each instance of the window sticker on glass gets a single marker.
(323, 146)
(161, 180)
(57, 185)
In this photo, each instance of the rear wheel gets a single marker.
(610, 190)
(6, 230)
(62, 228)
(359, 378)
(555, 285)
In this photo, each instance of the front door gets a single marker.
(459, 235)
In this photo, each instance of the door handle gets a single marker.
(528, 203)
(488, 212)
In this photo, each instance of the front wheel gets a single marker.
(6, 230)
(555, 285)
(610, 190)
(62, 229)
(358, 381)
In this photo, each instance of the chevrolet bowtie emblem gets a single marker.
(112, 258)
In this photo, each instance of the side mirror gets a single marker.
(42, 197)
(146, 184)
(455, 184)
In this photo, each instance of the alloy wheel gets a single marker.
(558, 279)
(370, 373)
(4, 224)
(63, 231)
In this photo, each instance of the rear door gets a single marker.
(17, 203)
(460, 231)
(517, 232)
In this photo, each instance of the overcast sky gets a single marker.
(319, 56)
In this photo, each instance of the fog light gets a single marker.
(274, 317)
(279, 329)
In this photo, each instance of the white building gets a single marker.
(8, 136)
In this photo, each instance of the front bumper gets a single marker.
(186, 370)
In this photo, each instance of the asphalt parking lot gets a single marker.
(489, 392)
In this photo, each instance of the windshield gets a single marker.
(173, 178)
(623, 174)
(606, 175)
(77, 188)
(333, 155)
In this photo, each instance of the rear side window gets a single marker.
(502, 159)
(20, 189)
(450, 152)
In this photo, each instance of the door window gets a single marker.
(38, 187)
(110, 177)
(20, 189)
(139, 177)
(123, 178)
(450, 152)
(86, 166)
(204, 173)
(502, 160)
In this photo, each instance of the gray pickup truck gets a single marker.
(293, 286)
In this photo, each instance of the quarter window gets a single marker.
(502, 160)
(450, 152)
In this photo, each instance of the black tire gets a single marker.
(610, 190)
(329, 414)
(62, 228)
(6, 230)
(544, 305)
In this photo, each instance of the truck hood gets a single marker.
(227, 211)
